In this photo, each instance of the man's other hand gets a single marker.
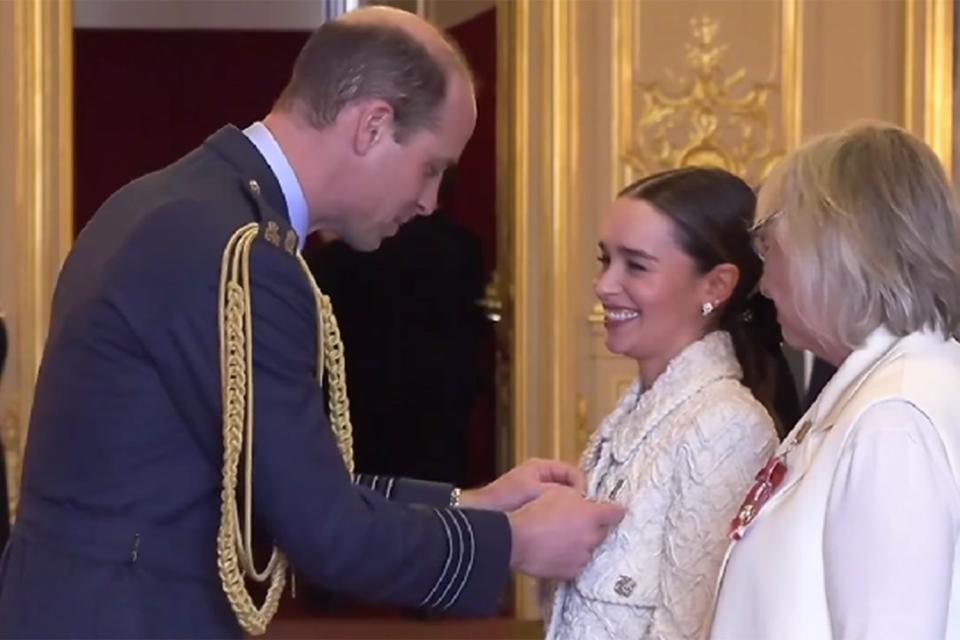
(554, 535)
(522, 484)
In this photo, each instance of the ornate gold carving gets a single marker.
(10, 434)
(597, 315)
(709, 118)
(583, 422)
(492, 302)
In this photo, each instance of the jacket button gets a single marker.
(625, 586)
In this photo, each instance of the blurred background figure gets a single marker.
(413, 334)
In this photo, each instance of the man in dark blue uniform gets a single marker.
(174, 317)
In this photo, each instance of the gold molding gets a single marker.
(512, 196)
(909, 63)
(42, 228)
(560, 104)
(513, 169)
(938, 87)
(928, 74)
(43, 33)
(791, 72)
(625, 16)
(538, 207)
(546, 199)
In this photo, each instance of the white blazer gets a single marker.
(680, 456)
(860, 539)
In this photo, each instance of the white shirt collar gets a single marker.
(266, 144)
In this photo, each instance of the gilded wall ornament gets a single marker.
(707, 117)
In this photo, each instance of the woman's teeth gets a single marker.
(621, 315)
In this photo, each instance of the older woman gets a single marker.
(851, 530)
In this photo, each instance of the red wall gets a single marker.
(144, 98)
(474, 200)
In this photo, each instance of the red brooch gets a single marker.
(768, 479)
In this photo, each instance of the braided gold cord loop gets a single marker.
(235, 546)
(234, 559)
(330, 361)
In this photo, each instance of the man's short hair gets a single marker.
(343, 62)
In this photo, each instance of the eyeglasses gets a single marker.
(757, 236)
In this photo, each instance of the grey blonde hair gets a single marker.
(872, 232)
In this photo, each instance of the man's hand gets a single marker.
(555, 535)
(522, 484)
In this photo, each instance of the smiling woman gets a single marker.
(674, 246)
(676, 277)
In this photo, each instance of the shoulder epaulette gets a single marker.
(275, 229)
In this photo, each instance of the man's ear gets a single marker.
(374, 120)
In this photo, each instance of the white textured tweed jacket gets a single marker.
(681, 457)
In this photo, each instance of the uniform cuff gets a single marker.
(477, 565)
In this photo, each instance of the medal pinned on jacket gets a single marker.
(768, 479)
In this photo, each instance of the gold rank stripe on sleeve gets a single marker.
(461, 553)
(235, 547)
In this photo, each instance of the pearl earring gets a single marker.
(707, 308)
